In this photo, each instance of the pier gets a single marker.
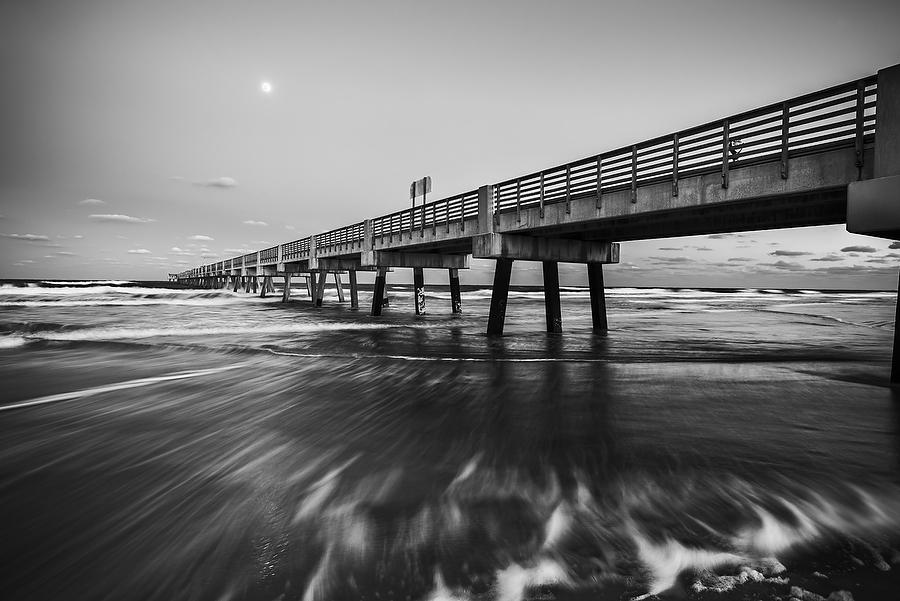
(818, 159)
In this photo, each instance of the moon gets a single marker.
(266, 87)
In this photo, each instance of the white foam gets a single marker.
(107, 334)
(77, 394)
(12, 341)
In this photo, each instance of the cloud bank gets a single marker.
(119, 219)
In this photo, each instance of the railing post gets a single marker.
(542, 194)
(675, 164)
(725, 142)
(599, 201)
(519, 200)
(447, 214)
(860, 126)
(633, 174)
(568, 189)
(785, 138)
(422, 220)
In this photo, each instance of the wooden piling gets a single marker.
(499, 295)
(552, 307)
(354, 290)
(419, 289)
(598, 297)
(378, 293)
(455, 297)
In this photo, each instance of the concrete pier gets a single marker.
(378, 293)
(552, 307)
(499, 296)
(455, 296)
(598, 297)
(354, 290)
(419, 289)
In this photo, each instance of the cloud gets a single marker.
(64, 253)
(28, 237)
(119, 219)
(893, 255)
(78, 236)
(287, 227)
(721, 236)
(858, 249)
(894, 245)
(670, 248)
(829, 258)
(878, 260)
(237, 251)
(785, 265)
(138, 251)
(789, 253)
(91, 201)
(740, 259)
(201, 237)
(208, 255)
(702, 248)
(251, 222)
(220, 182)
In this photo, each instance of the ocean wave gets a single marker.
(124, 333)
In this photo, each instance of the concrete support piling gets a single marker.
(320, 289)
(286, 293)
(264, 287)
(499, 295)
(237, 282)
(254, 285)
(311, 285)
(895, 356)
(455, 297)
(419, 289)
(598, 297)
(354, 290)
(378, 293)
(552, 308)
(339, 287)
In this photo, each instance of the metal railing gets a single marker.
(839, 117)
(842, 116)
(443, 212)
(344, 235)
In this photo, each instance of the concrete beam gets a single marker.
(887, 126)
(530, 248)
(381, 259)
(873, 207)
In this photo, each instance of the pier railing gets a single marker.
(842, 116)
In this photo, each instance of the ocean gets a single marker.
(165, 443)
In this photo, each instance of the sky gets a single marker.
(137, 139)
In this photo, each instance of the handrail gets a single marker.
(841, 116)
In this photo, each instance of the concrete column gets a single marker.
(552, 307)
(247, 284)
(895, 356)
(311, 285)
(378, 293)
(887, 126)
(339, 287)
(485, 209)
(354, 290)
(286, 293)
(499, 295)
(320, 289)
(254, 284)
(598, 297)
(455, 297)
(264, 286)
(419, 289)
